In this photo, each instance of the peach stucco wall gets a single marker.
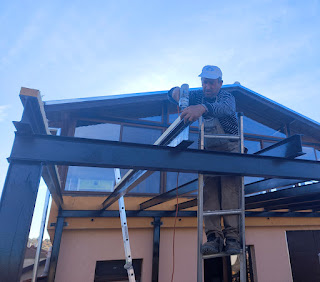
(271, 253)
(80, 249)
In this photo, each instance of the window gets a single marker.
(174, 116)
(254, 127)
(113, 270)
(143, 135)
(152, 118)
(309, 154)
(92, 178)
(183, 177)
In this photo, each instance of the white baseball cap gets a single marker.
(212, 72)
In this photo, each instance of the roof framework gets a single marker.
(35, 152)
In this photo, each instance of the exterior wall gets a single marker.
(80, 249)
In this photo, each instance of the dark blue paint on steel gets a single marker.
(156, 248)
(56, 248)
(100, 153)
(16, 210)
(284, 197)
(288, 148)
(169, 195)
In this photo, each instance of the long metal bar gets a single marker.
(285, 195)
(125, 233)
(55, 248)
(40, 238)
(169, 195)
(223, 136)
(288, 148)
(156, 248)
(200, 211)
(16, 209)
(243, 272)
(132, 177)
(35, 118)
(269, 183)
(101, 153)
(151, 214)
(222, 212)
(188, 204)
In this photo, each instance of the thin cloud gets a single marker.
(3, 112)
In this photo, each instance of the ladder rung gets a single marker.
(222, 136)
(222, 212)
(223, 254)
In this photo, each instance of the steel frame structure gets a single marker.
(35, 153)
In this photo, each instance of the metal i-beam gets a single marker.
(156, 248)
(132, 178)
(290, 147)
(269, 183)
(150, 214)
(55, 248)
(101, 153)
(283, 197)
(16, 210)
(169, 195)
(34, 121)
(187, 204)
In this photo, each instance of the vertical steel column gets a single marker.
(200, 210)
(16, 210)
(156, 248)
(42, 226)
(243, 268)
(55, 248)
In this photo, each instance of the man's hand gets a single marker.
(192, 113)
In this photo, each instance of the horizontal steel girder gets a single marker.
(284, 197)
(269, 183)
(100, 153)
(169, 195)
(133, 213)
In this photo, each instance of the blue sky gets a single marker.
(71, 49)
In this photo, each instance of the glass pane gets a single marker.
(254, 127)
(143, 135)
(183, 177)
(309, 154)
(154, 118)
(92, 178)
(252, 146)
(173, 117)
(318, 155)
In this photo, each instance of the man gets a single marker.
(218, 109)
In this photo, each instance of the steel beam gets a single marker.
(130, 213)
(187, 204)
(169, 195)
(135, 213)
(55, 248)
(156, 248)
(269, 183)
(288, 148)
(132, 178)
(100, 153)
(283, 197)
(16, 210)
(34, 121)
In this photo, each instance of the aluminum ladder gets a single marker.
(240, 211)
(125, 233)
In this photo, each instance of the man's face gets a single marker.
(210, 87)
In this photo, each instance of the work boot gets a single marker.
(232, 246)
(214, 245)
